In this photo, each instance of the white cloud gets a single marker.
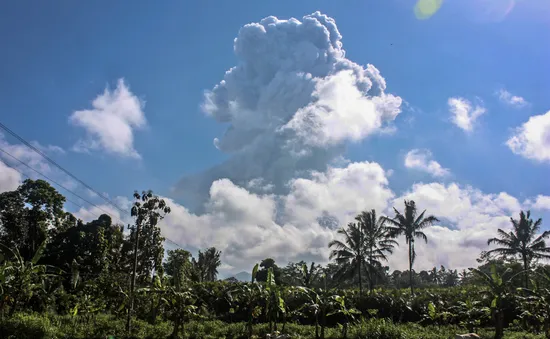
(89, 213)
(248, 227)
(9, 178)
(542, 202)
(32, 165)
(110, 124)
(338, 192)
(468, 218)
(291, 104)
(510, 99)
(342, 112)
(52, 149)
(421, 160)
(532, 139)
(464, 115)
(25, 155)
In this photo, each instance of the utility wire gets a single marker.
(50, 179)
(36, 150)
(5, 128)
(27, 176)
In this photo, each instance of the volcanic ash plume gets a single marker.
(291, 104)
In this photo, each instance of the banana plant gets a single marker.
(317, 303)
(275, 304)
(249, 296)
(472, 313)
(338, 304)
(536, 301)
(20, 279)
(436, 314)
(499, 292)
(181, 307)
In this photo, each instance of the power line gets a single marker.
(53, 181)
(36, 150)
(4, 127)
(27, 176)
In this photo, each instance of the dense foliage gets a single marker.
(63, 278)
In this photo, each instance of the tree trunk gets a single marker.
(249, 325)
(323, 322)
(133, 281)
(410, 268)
(176, 328)
(360, 280)
(499, 325)
(317, 325)
(13, 307)
(526, 273)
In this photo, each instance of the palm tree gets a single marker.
(410, 225)
(349, 254)
(206, 267)
(522, 241)
(309, 276)
(378, 242)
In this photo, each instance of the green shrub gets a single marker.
(43, 326)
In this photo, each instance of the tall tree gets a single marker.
(94, 247)
(265, 265)
(350, 254)
(523, 242)
(410, 225)
(147, 210)
(178, 266)
(378, 242)
(206, 266)
(309, 275)
(27, 213)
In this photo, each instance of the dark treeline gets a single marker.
(54, 263)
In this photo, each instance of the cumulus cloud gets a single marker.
(541, 202)
(248, 226)
(510, 99)
(291, 104)
(30, 164)
(468, 217)
(111, 122)
(532, 139)
(51, 149)
(9, 178)
(464, 114)
(26, 155)
(89, 213)
(422, 160)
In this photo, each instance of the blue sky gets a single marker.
(57, 57)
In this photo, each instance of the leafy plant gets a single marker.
(499, 292)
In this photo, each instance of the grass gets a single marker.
(40, 326)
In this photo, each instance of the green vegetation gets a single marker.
(63, 278)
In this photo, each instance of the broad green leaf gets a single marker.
(282, 307)
(431, 310)
(494, 303)
(496, 277)
(38, 253)
(270, 282)
(254, 272)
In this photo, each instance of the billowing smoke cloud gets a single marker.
(291, 104)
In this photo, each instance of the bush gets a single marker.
(43, 326)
